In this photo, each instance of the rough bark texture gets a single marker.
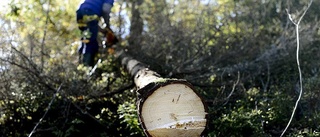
(166, 107)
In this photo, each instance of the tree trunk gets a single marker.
(166, 107)
(136, 26)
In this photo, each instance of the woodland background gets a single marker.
(239, 54)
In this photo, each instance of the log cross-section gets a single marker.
(166, 107)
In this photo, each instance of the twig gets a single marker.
(48, 108)
(85, 112)
(119, 90)
(233, 88)
(298, 63)
(44, 35)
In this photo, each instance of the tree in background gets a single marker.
(238, 53)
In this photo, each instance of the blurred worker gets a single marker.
(88, 16)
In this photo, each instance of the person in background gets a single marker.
(88, 16)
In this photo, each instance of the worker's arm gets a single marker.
(106, 10)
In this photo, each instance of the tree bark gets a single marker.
(166, 107)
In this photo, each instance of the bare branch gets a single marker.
(298, 64)
(233, 88)
(48, 108)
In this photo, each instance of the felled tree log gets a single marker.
(166, 107)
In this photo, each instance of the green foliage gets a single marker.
(239, 54)
(128, 114)
(245, 122)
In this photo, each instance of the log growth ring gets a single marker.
(173, 109)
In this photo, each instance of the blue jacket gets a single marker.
(95, 5)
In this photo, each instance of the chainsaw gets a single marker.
(110, 37)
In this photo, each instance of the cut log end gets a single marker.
(173, 110)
